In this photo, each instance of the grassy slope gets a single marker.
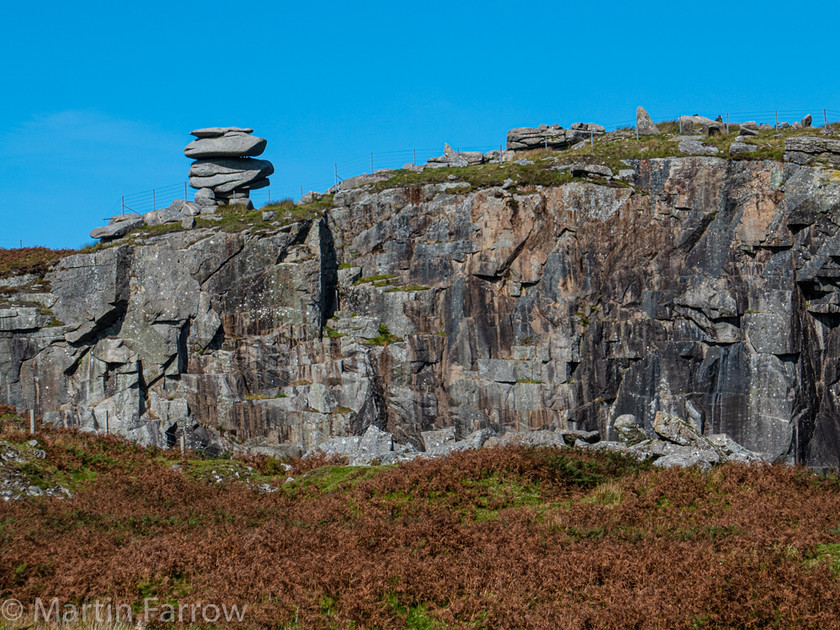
(517, 537)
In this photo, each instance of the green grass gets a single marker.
(328, 479)
(828, 553)
(480, 176)
(157, 230)
(414, 616)
(264, 396)
(610, 149)
(227, 469)
(381, 276)
(287, 212)
(383, 338)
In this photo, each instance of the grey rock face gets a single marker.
(707, 292)
(644, 123)
(695, 147)
(739, 148)
(591, 170)
(451, 157)
(224, 175)
(231, 144)
(813, 150)
(320, 399)
(674, 429)
(436, 439)
(588, 127)
(628, 429)
(806, 121)
(701, 125)
(163, 216)
(215, 132)
(119, 228)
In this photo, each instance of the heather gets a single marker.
(495, 538)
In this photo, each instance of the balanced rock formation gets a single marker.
(224, 170)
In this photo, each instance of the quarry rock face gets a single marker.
(702, 299)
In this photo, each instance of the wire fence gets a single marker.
(162, 196)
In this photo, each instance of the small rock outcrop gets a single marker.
(451, 157)
(695, 147)
(811, 150)
(225, 170)
(179, 211)
(551, 136)
(644, 123)
(740, 148)
(675, 444)
(690, 125)
(118, 226)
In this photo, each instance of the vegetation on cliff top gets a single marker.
(24, 260)
(612, 149)
(514, 537)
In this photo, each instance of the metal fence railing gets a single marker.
(334, 172)
(161, 197)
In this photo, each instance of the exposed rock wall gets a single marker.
(707, 291)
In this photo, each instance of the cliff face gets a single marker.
(707, 289)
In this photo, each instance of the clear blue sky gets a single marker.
(99, 97)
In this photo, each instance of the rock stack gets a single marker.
(225, 170)
(551, 136)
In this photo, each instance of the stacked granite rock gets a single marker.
(552, 136)
(225, 170)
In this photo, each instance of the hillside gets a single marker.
(558, 291)
(514, 537)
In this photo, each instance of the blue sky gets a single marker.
(99, 97)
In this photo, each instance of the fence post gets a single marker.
(269, 196)
(592, 137)
(825, 118)
(301, 190)
(154, 200)
(727, 123)
(777, 120)
(371, 162)
(122, 199)
(335, 172)
(414, 159)
(106, 422)
(185, 191)
(31, 421)
(183, 443)
(500, 154)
